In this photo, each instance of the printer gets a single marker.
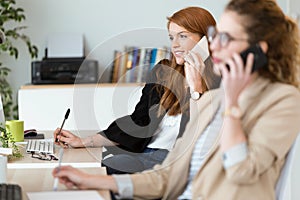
(64, 62)
(64, 71)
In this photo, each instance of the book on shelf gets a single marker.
(153, 58)
(146, 65)
(129, 51)
(116, 64)
(134, 63)
(139, 69)
(123, 67)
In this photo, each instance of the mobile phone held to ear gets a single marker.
(202, 48)
(260, 58)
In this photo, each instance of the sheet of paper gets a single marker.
(5, 151)
(63, 195)
(65, 45)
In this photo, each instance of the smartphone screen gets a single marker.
(260, 58)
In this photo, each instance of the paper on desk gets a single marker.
(63, 195)
(65, 45)
(5, 151)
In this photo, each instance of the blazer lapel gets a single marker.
(246, 100)
(202, 113)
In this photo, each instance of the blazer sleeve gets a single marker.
(271, 137)
(134, 132)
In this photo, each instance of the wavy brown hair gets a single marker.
(174, 99)
(263, 20)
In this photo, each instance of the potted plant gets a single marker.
(7, 141)
(11, 18)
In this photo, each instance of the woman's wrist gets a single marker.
(229, 102)
(195, 93)
(88, 141)
(233, 112)
(197, 89)
(102, 182)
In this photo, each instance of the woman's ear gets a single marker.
(264, 46)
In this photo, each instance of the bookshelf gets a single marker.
(133, 64)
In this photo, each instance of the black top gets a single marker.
(134, 132)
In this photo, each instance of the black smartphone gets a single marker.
(260, 58)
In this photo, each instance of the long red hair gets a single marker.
(174, 99)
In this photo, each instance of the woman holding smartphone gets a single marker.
(144, 138)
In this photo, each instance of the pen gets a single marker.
(66, 117)
(61, 153)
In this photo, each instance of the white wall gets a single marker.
(294, 9)
(106, 25)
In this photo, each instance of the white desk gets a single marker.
(34, 175)
(36, 180)
(80, 157)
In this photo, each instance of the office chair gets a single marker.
(287, 187)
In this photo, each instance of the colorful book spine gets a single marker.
(123, 68)
(116, 66)
(139, 69)
(135, 60)
(153, 58)
(146, 65)
(129, 64)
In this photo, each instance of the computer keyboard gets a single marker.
(40, 146)
(10, 192)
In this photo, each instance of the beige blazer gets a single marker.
(271, 122)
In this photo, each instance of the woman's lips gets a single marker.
(216, 60)
(178, 53)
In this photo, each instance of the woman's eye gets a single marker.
(182, 36)
(171, 38)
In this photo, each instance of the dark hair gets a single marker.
(263, 20)
(195, 20)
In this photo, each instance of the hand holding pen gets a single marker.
(66, 117)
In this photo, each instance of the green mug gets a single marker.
(16, 128)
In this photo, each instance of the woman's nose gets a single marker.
(214, 44)
(175, 43)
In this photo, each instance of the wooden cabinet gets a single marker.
(93, 106)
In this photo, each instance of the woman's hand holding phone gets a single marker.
(198, 54)
(235, 80)
(260, 58)
(237, 71)
(194, 64)
(193, 71)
